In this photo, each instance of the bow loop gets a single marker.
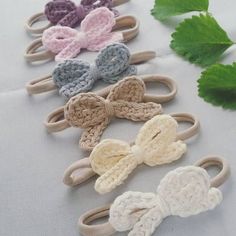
(113, 63)
(131, 89)
(99, 23)
(73, 18)
(58, 38)
(56, 10)
(98, 26)
(127, 96)
(187, 191)
(157, 138)
(107, 154)
(73, 77)
(86, 110)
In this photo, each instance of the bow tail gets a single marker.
(147, 223)
(127, 209)
(70, 51)
(80, 85)
(92, 135)
(116, 175)
(137, 111)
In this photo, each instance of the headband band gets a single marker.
(191, 131)
(143, 212)
(95, 230)
(54, 124)
(84, 169)
(72, 77)
(69, 43)
(72, 14)
(219, 162)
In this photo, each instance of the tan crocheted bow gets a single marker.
(155, 144)
(93, 113)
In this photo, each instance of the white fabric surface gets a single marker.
(33, 199)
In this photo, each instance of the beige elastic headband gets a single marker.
(189, 118)
(46, 83)
(106, 229)
(29, 26)
(56, 121)
(81, 170)
(219, 162)
(130, 23)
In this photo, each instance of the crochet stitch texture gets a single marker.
(77, 76)
(183, 192)
(66, 13)
(95, 33)
(93, 113)
(155, 144)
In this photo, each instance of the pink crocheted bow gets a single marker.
(95, 34)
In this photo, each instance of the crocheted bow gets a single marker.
(183, 192)
(77, 76)
(93, 113)
(66, 13)
(155, 144)
(94, 35)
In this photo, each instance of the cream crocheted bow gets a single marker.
(155, 144)
(93, 113)
(183, 192)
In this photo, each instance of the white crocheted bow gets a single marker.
(95, 33)
(183, 192)
(155, 144)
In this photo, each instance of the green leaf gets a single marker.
(166, 8)
(217, 85)
(200, 40)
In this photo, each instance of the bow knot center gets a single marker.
(81, 12)
(94, 72)
(162, 206)
(109, 109)
(138, 153)
(82, 38)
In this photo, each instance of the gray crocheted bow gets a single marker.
(77, 76)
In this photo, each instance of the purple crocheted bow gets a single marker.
(66, 13)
